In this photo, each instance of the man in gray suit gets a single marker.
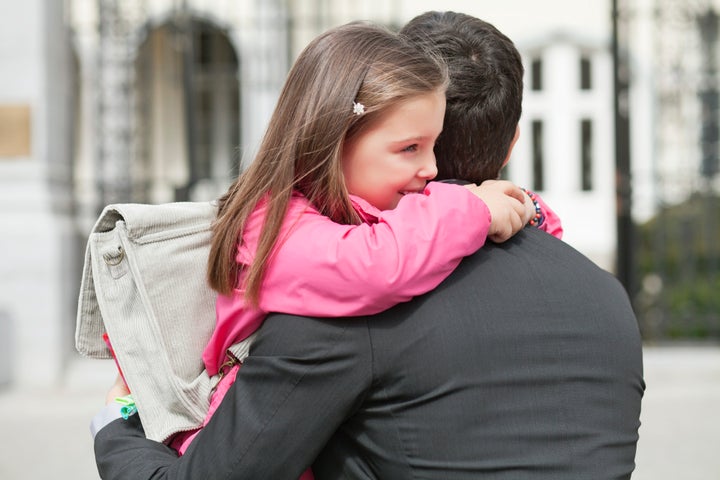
(525, 363)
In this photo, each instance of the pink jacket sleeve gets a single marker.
(552, 223)
(326, 269)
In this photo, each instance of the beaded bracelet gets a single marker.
(538, 218)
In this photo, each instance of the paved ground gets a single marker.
(680, 431)
(44, 433)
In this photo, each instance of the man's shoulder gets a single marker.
(530, 253)
(533, 249)
(532, 274)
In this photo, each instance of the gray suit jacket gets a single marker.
(525, 363)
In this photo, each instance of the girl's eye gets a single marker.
(411, 148)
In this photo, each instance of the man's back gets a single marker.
(525, 363)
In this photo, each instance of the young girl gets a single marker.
(335, 216)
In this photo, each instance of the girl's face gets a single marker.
(395, 156)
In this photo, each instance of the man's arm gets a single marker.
(304, 377)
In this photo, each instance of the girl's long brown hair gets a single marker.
(302, 147)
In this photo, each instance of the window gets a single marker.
(215, 109)
(585, 73)
(536, 74)
(537, 155)
(586, 157)
(710, 99)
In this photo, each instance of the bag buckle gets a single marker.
(231, 361)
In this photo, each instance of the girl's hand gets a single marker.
(510, 208)
(118, 389)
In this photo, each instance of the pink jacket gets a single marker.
(322, 268)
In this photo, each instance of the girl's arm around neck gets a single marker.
(326, 269)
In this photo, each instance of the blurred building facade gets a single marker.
(37, 212)
(165, 100)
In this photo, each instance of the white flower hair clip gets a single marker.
(358, 108)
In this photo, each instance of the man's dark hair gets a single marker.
(484, 98)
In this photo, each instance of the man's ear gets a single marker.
(512, 144)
